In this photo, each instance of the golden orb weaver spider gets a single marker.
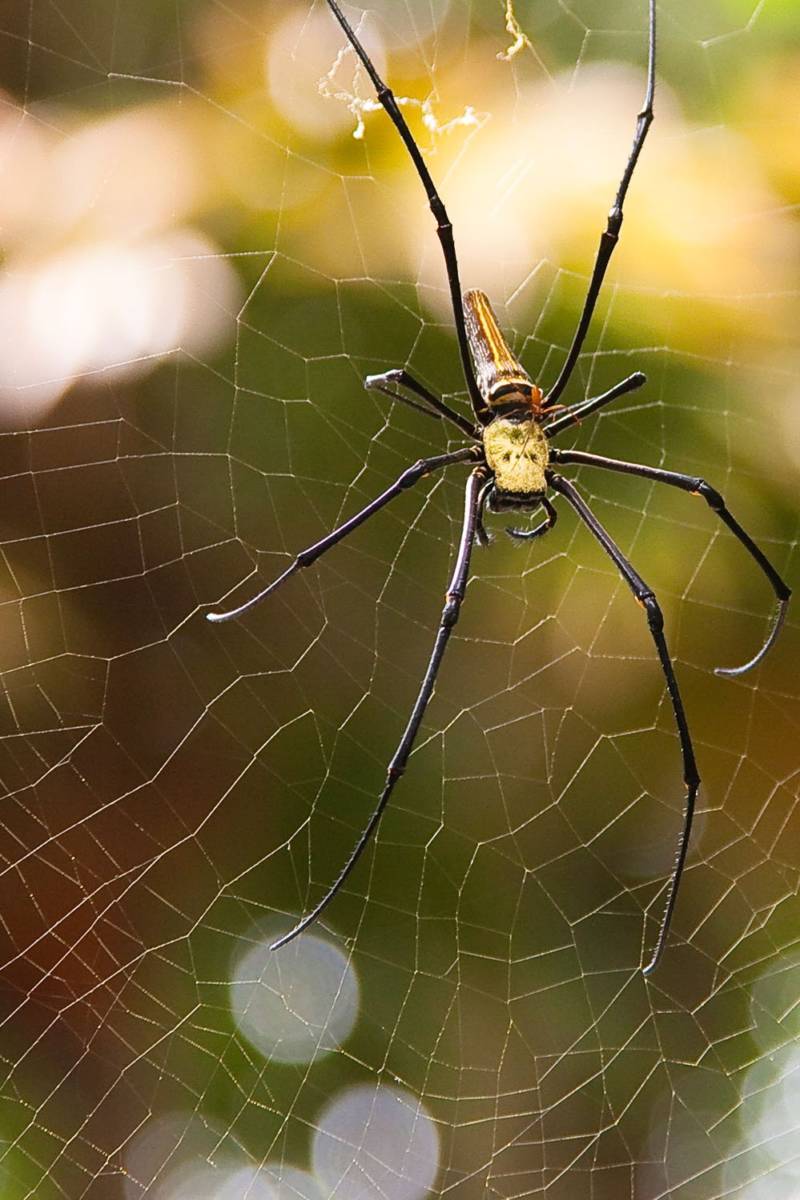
(512, 468)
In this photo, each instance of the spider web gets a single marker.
(211, 235)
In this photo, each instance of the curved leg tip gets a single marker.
(658, 950)
(733, 672)
(232, 613)
(527, 535)
(216, 617)
(519, 535)
(292, 934)
(306, 921)
(281, 941)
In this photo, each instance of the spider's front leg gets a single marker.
(610, 235)
(444, 227)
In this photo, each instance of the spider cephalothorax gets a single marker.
(512, 467)
(518, 455)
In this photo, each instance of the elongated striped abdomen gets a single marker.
(500, 376)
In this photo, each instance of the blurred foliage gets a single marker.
(170, 785)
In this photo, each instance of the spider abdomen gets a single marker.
(518, 453)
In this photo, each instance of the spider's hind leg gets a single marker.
(655, 622)
(454, 598)
(527, 535)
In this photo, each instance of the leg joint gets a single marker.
(412, 474)
(451, 610)
(614, 222)
(709, 494)
(655, 617)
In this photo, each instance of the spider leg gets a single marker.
(480, 527)
(444, 227)
(432, 405)
(527, 535)
(306, 557)
(574, 413)
(655, 621)
(453, 600)
(610, 235)
(699, 487)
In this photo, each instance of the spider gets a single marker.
(513, 468)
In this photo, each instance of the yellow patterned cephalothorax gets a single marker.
(518, 453)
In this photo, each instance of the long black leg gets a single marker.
(610, 235)
(450, 613)
(306, 557)
(444, 227)
(575, 413)
(526, 535)
(655, 621)
(698, 487)
(432, 406)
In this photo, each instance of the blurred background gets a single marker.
(210, 234)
